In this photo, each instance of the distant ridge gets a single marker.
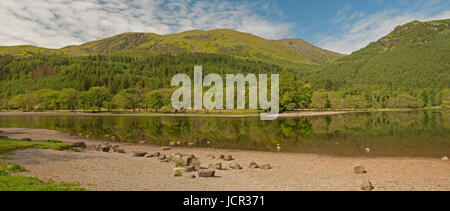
(223, 41)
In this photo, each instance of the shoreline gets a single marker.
(66, 113)
(291, 171)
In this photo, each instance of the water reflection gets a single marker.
(412, 133)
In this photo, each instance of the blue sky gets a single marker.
(342, 26)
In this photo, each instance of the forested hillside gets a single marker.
(408, 68)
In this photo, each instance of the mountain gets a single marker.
(226, 42)
(413, 56)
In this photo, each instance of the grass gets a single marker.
(10, 181)
(178, 174)
(8, 145)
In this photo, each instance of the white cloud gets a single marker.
(58, 23)
(355, 34)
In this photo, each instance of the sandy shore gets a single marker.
(61, 113)
(111, 171)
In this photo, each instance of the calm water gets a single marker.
(412, 133)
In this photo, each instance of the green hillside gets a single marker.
(415, 55)
(409, 68)
(411, 63)
(227, 42)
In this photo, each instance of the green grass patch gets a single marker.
(11, 182)
(8, 145)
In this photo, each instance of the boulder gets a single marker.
(196, 164)
(139, 154)
(121, 151)
(206, 173)
(26, 139)
(359, 170)
(166, 148)
(187, 159)
(190, 176)
(154, 155)
(367, 186)
(103, 148)
(253, 165)
(178, 143)
(176, 157)
(228, 158)
(190, 144)
(171, 144)
(445, 158)
(266, 167)
(217, 166)
(106, 148)
(210, 156)
(162, 156)
(79, 144)
(367, 150)
(189, 169)
(236, 166)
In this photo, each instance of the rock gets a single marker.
(221, 156)
(210, 156)
(278, 148)
(236, 166)
(162, 157)
(26, 139)
(166, 148)
(190, 176)
(106, 148)
(121, 151)
(171, 144)
(80, 134)
(188, 159)
(445, 158)
(228, 158)
(139, 154)
(142, 142)
(359, 170)
(266, 167)
(367, 186)
(156, 154)
(178, 143)
(367, 150)
(79, 144)
(206, 173)
(113, 138)
(208, 142)
(217, 166)
(103, 148)
(253, 165)
(176, 157)
(106, 136)
(196, 164)
(189, 169)
(190, 144)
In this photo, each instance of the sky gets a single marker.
(343, 26)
